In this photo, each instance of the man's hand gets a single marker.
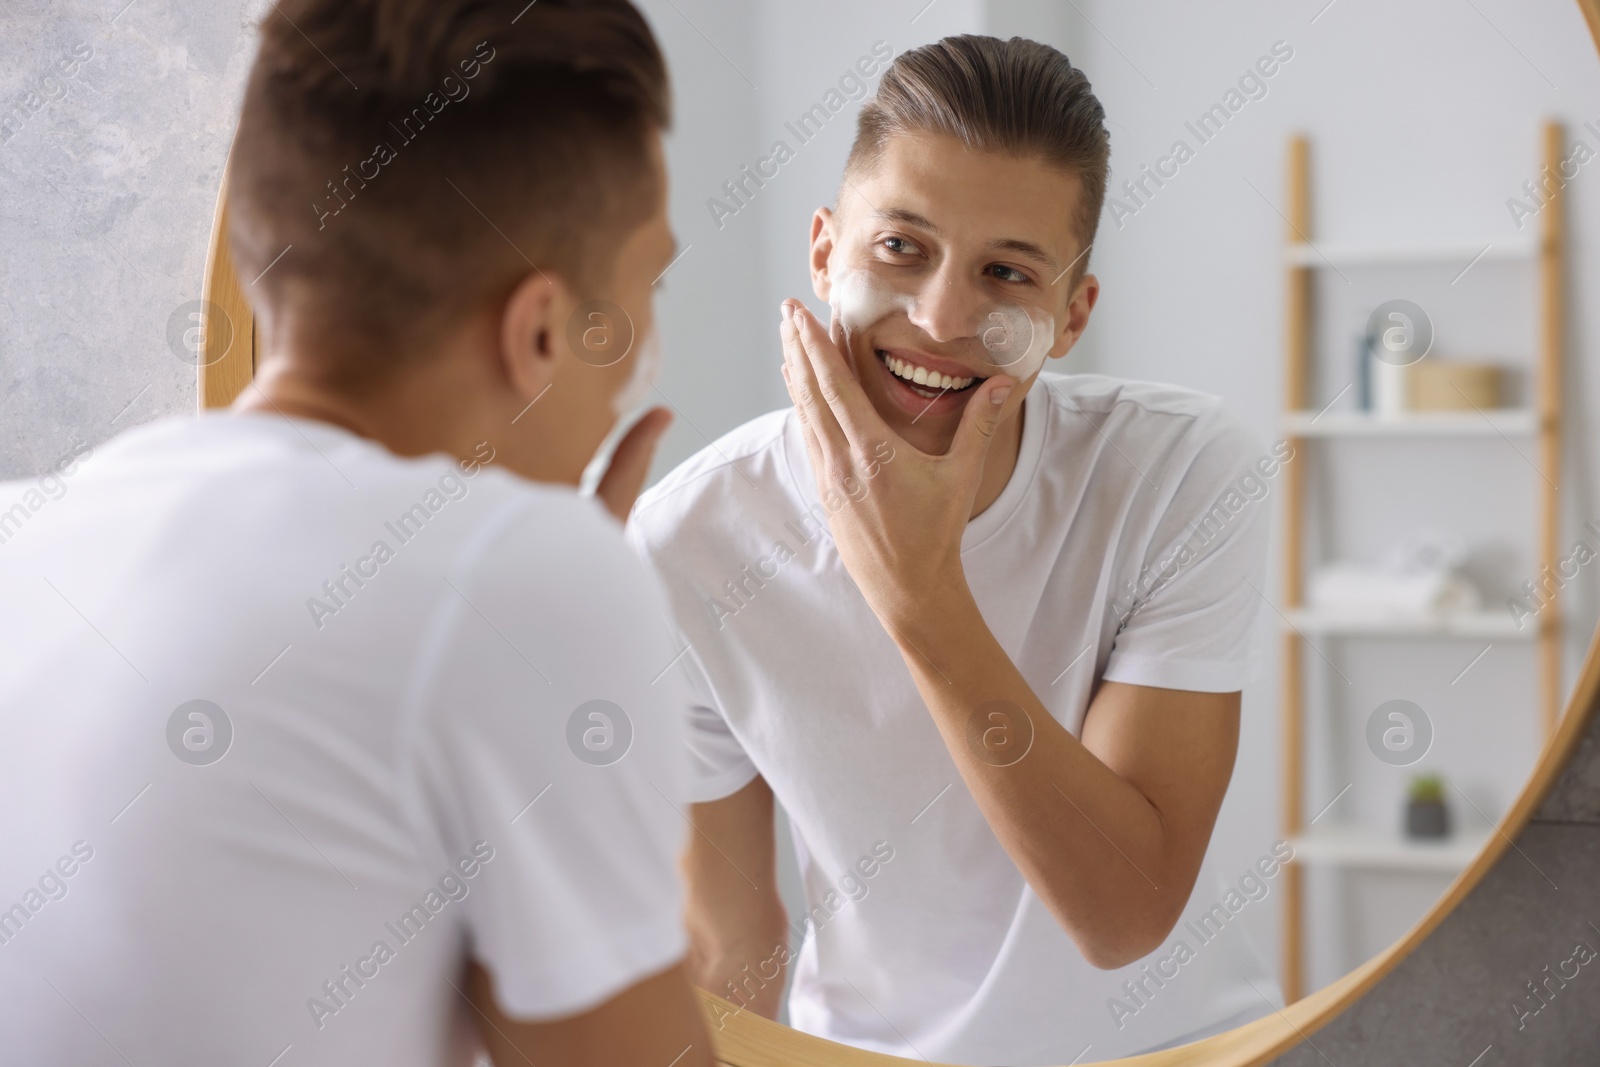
(900, 534)
(630, 464)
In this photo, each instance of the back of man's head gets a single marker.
(400, 162)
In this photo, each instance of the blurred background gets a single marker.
(1423, 123)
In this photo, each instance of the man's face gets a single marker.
(955, 233)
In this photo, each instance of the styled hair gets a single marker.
(400, 162)
(1017, 98)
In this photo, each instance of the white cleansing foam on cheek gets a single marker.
(1017, 339)
(646, 366)
(860, 298)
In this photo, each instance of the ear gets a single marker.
(528, 334)
(1077, 317)
(822, 226)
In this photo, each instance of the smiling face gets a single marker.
(957, 246)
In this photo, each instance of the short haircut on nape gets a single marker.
(400, 162)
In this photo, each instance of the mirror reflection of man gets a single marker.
(983, 638)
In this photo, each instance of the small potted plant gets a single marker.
(1426, 814)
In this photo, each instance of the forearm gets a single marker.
(738, 929)
(1090, 844)
(648, 1022)
(744, 960)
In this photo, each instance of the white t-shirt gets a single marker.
(1124, 548)
(399, 784)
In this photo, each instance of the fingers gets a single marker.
(833, 460)
(813, 447)
(993, 401)
(839, 389)
(630, 463)
(800, 376)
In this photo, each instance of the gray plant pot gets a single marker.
(1427, 819)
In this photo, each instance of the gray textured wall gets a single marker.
(109, 168)
(1462, 997)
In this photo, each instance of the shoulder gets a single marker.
(1135, 401)
(1180, 425)
(546, 582)
(745, 467)
(548, 537)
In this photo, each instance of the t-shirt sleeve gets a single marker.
(548, 730)
(1191, 624)
(718, 763)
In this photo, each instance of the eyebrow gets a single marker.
(1004, 244)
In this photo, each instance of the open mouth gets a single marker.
(923, 382)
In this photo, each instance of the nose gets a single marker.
(947, 307)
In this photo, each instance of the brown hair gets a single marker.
(1016, 97)
(401, 161)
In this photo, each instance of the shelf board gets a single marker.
(1480, 624)
(1494, 422)
(1332, 254)
(1349, 845)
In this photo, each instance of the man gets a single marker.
(338, 726)
(981, 630)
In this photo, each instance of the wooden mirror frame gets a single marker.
(747, 1040)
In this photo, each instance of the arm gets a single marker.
(738, 930)
(575, 905)
(1110, 831)
(649, 1024)
(736, 920)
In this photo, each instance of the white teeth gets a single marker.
(922, 376)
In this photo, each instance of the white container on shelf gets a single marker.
(1390, 384)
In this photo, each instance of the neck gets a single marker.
(406, 420)
(277, 393)
(999, 463)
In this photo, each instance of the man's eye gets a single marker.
(1008, 274)
(899, 245)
